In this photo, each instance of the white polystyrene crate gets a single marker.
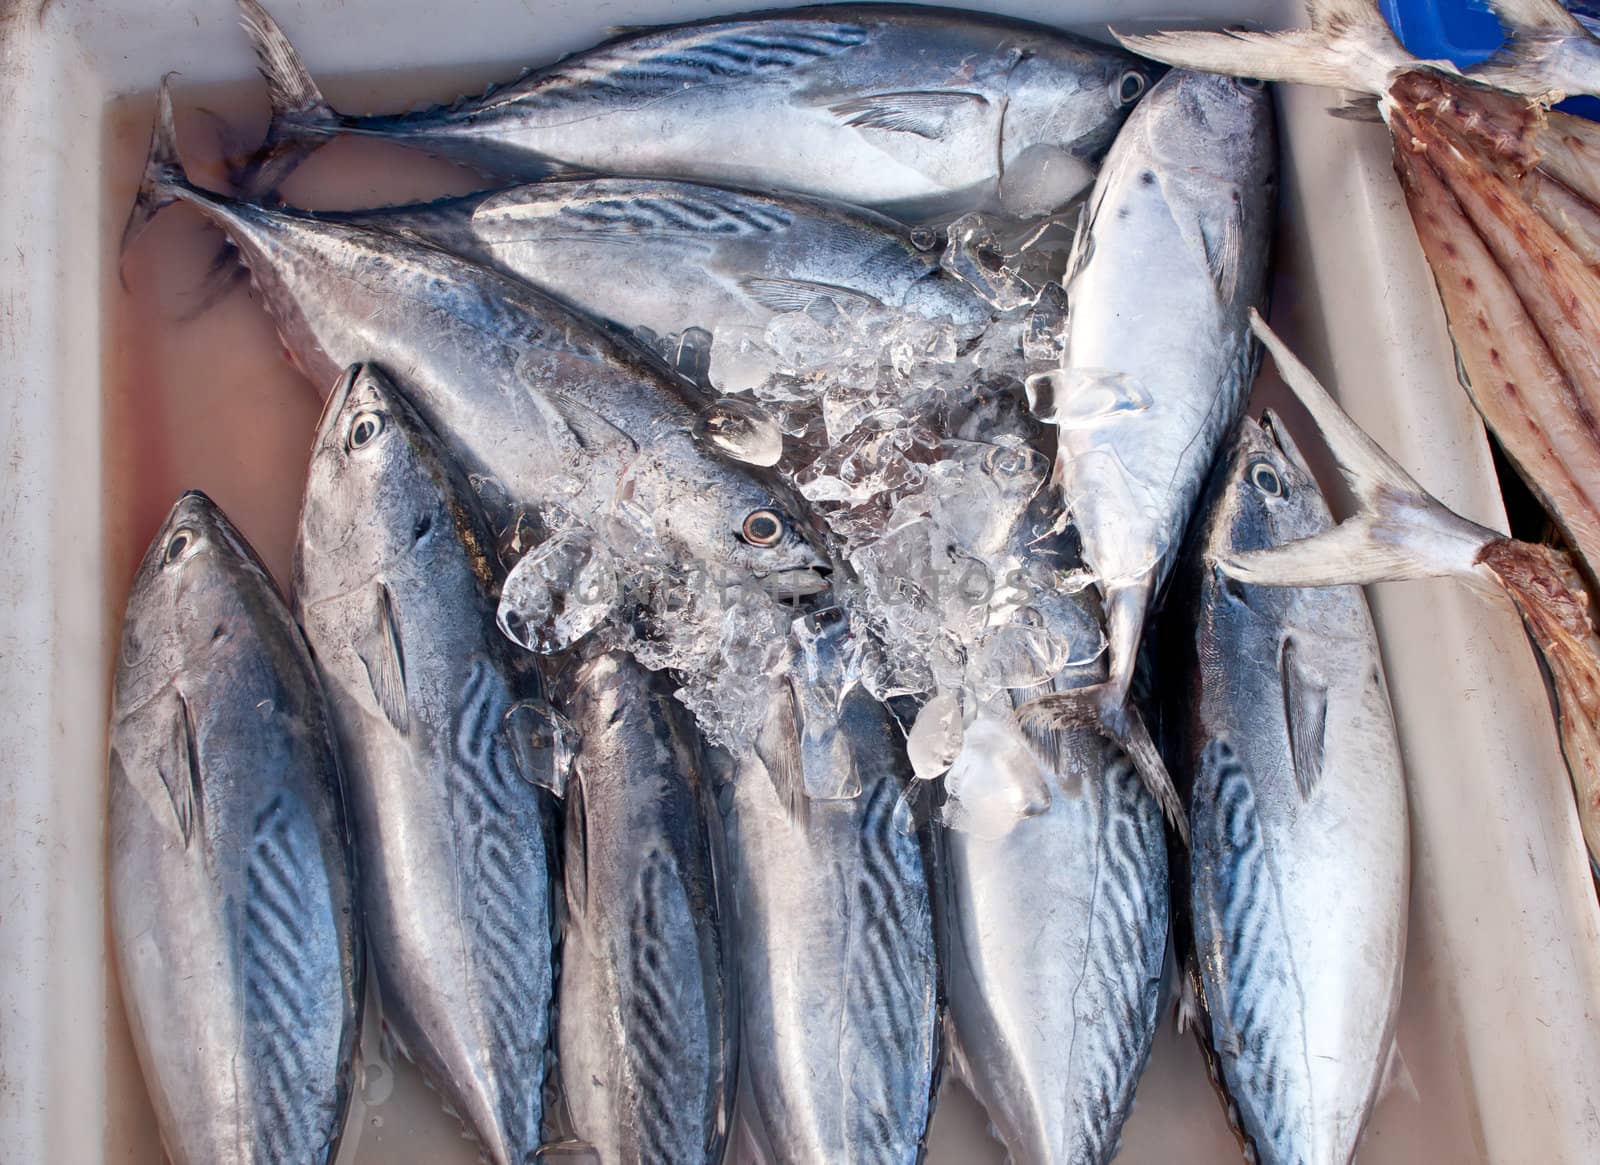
(1504, 963)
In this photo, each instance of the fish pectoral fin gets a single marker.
(569, 1152)
(588, 428)
(575, 866)
(786, 295)
(927, 113)
(1305, 712)
(1399, 530)
(383, 656)
(178, 764)
(780, 748)
(1102, 707)
(1223, 244)
(540, 744)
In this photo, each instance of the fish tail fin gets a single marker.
(302, 120)
(1547, 54)
(1347, 46)
(1104, 707)
(1399, 530)
(165, 181)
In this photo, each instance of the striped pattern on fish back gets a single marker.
(1115, 1004)
(646, 67)
(664, 1020)
(889, 983)
(1251, 985)
(499, 827)
(289, 960)
(720, 213)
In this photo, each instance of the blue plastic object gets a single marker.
(1464, 32)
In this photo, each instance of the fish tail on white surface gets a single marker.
(302, 119)
(1547, 51)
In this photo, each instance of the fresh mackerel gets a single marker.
(899, 106)
(446, 742)
(237, 944)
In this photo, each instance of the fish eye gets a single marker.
(1265, 478)
(1130, 87)
(1252, 83)
(364, 429)
(762, 528)
(182, 538)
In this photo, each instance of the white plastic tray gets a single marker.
(1504, 966)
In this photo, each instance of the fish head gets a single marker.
(1265, 493)
(186, 597)
(379, 483)
(984, 488)
(735, 518)
(1213, 126)
(1063, 107)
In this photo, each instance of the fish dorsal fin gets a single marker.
(576, 865)
(1305, 711)
(927, 113)
(179, 766)
(381, 652)
(649, 67)
(785, 295)
(539, 743)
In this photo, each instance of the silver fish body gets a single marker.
(665, 259)
(1159, 357)
(648, 1007)
(441, 722)
(560, 415)
(1299, 871)
(1058, 924)
(237, 944)
(837, 963)
(877, 105)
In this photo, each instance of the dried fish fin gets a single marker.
(384, 658)
(1399, 530)
(1103, 707)
(1348, 46)
(1523, 310)
(1550, 595)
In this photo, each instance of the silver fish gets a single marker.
(837, 965)
(557, 413)
(446, 741)
(647, 1001)
(1159, 355)
(230, 878)
(683, 264)
(1057, 919)
(1299, 870)
(878, 105)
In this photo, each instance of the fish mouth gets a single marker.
(798, 583)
